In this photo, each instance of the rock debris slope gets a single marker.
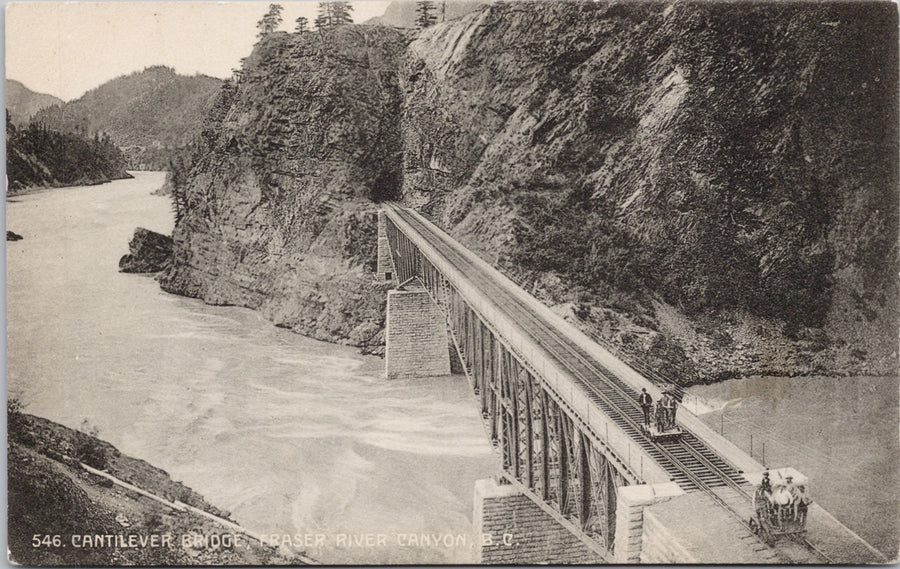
(712, 186)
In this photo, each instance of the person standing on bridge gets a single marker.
(674, 409)
(668, 405)
(646, 402)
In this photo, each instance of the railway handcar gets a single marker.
(656, 435)
(662, 426)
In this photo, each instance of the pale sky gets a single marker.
(67, 48)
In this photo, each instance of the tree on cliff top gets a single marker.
(301, 25)
(340, 12)
(425, 14)
(270, 21)
(333, 14)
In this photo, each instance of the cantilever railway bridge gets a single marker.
(565, 423)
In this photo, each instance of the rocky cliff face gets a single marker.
(148, 252)
(280, 214)
(712, 186)
(703, 179)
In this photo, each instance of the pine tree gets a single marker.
(333, 14)
(340, 13)
(301, 25)
(425, 14)
(323, 18)
(270, 21)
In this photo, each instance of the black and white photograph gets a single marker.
(452, 282)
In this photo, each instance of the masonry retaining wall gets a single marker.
(659, 546)
(638, 539)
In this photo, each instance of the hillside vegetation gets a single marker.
(22, 103)
(709, 186)
(402, 13)
(37, 157)
(143, 112)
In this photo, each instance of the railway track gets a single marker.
(689, 461)
(603, 387)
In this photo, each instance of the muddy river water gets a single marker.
(298, 437)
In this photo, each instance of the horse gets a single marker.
(782, 502)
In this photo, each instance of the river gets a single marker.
(297, 436)
(289, 434)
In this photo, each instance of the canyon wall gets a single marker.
(279, 211)
(709, 186)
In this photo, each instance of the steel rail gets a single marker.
(611, 380)
(538, 325)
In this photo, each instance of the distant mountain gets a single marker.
(402, 13)
(23, 103)
(153, 108)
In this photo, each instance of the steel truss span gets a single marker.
(546, 449)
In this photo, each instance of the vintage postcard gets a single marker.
(452, 282)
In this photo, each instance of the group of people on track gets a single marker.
(665, 410)
(785, 501)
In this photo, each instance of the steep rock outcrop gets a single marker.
(279, 214)
(710, 180)
(149, 252)
(710, 186)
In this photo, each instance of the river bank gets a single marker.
(35, 188)
(58, 509)
(289, 434)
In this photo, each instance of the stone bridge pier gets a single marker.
(416, 341)
(577, 483)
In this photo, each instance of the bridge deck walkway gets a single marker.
(559, 344)
(613, 386)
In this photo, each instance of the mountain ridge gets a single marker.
(22, 103)
(142, 112)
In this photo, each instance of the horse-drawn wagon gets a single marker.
(780, 503)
